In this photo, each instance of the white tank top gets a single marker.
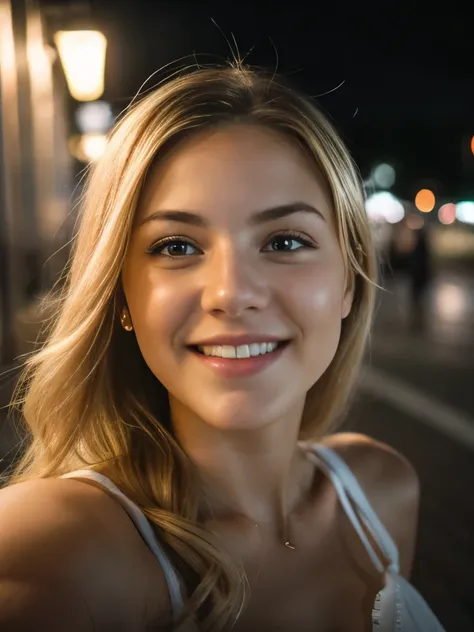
(399, 607)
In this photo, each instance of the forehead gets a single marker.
(238, 169)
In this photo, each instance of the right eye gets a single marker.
(173, 247)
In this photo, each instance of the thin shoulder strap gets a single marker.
(351, 495)
(145, 530)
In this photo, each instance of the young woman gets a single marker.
(184, 472)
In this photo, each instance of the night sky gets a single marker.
(407, 75)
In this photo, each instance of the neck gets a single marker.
(256, 473)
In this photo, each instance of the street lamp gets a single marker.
(82, 55)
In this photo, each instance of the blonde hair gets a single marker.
(88, 398)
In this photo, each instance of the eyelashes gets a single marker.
(178, 243)
(287, 237)
(179, 246)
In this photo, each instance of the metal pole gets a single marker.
(10, 196)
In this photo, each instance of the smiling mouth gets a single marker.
(240, 352)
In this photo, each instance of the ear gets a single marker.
(349, 293)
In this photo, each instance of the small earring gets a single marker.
(125, 320)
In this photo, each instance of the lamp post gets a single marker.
(82, 55)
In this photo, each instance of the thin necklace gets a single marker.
(286, 541)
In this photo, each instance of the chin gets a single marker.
(241, 412)
(235, 422)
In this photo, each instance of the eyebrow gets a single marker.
(261, 217)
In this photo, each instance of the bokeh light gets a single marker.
(465, 212)
(94, 145)
(447, 214)
(425, 200)
(383, 176)
(451, 302)
(88, 147)
(94, 117)
(383, 206)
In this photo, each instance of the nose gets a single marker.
(234, 284)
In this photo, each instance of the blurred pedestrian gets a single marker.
(410, 258)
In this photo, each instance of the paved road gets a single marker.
(418, 396)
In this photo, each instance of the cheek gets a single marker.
(316, 297)
(315, 301)
(157, 309)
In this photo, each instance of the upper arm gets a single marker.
(42, 604)
(67, 562)
(391, 485)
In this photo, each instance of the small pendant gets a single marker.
(289, 545)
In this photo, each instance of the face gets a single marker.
(234, 278)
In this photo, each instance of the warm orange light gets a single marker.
(472, 144)
(88, 147)
(425, 200)
(82, 55)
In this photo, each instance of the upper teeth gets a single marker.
(242, 351)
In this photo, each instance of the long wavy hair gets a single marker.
(87, 397)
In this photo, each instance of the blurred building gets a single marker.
(36, 167)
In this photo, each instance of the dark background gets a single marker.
(397, 79)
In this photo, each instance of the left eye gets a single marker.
(288, 243)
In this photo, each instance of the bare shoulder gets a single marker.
(70, 559)
(373, 460)
(390, 483)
